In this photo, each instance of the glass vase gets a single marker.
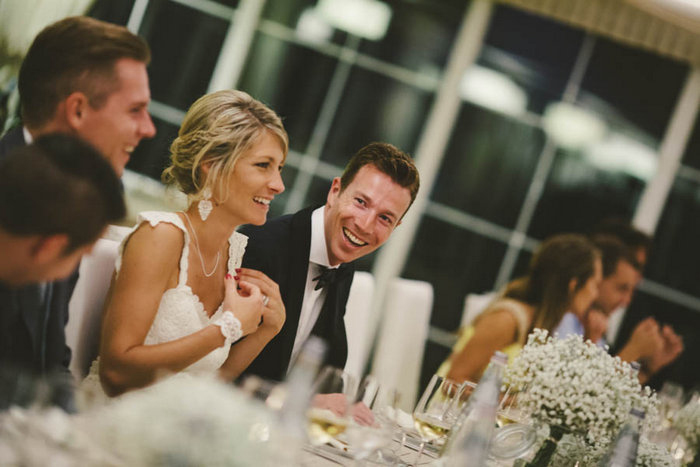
(544, 454)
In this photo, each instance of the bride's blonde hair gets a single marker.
(217, 129)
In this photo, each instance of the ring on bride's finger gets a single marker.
(266, 300)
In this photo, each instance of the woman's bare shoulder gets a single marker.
(157, 245)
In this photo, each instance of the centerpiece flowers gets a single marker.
(576, 388)
(183, 420)
(687, 424)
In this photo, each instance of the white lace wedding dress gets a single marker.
(180, 312)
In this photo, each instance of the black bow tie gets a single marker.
(328, 276)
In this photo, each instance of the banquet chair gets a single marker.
(85, 307)
(359, 325)
(474, 304)
(404, 330)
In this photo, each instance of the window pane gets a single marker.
(376, 108)
(541, 63)
(672, 261)
(289, 175)
(641, 86)
(294, 13)
(579, 193)
(153, 155)
(420, 35)
(231, 3)
(488, 165)
(113, 12)
(433, 357)
(455, 262)
(182, 63)
(293, 80)
(692, 150)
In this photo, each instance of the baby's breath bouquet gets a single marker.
(181, 421)
(687, 423)
(577, 387)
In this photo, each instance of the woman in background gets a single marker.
(564, 276)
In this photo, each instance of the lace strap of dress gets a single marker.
(154, 218)
(236, 248)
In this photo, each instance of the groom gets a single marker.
(310, 254)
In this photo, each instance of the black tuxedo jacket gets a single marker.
(32, 318)
(280, 249)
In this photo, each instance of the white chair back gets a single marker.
(359, 325)
(404, 330)
(85, 307)
(474, 305)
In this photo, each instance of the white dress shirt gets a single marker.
(313, 299)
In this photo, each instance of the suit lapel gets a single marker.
(31, 306)
(300, 232)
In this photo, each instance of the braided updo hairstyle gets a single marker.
(217, 129)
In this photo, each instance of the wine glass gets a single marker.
(437, 410)
(329, 412)
(511, 409)
(373, 420)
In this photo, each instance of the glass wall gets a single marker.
(556, 130)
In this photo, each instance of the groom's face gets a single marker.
(360, 218)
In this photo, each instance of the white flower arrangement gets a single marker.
(569, 452)
(183, 420)
(653, 455)
(578, 386)
(687, 423)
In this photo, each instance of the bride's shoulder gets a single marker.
(156, 236)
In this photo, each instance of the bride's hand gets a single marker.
(274, 313)
(246, 304)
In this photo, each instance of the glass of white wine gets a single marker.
(511, 409)
(436, 411)
(329, 412)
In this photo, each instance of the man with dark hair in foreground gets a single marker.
(57, 196)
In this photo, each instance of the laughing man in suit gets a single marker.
(310, 254)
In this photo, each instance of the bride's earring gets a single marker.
(205, 206)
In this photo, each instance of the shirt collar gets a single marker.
(319, 253)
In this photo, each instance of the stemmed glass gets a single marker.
(437, 410)
(511, 409)
(329, 413)
(369, 432)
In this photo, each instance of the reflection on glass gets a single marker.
(578, 194)
(456, 262)
(375, 108)
(539, 64)
(292, 80)
(179, 72)
(152, 155)
(488, 166)
(620, 75)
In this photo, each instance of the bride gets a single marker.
(176, 304)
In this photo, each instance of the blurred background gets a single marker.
(527, 118)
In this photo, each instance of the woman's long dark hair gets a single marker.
(546, 287)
